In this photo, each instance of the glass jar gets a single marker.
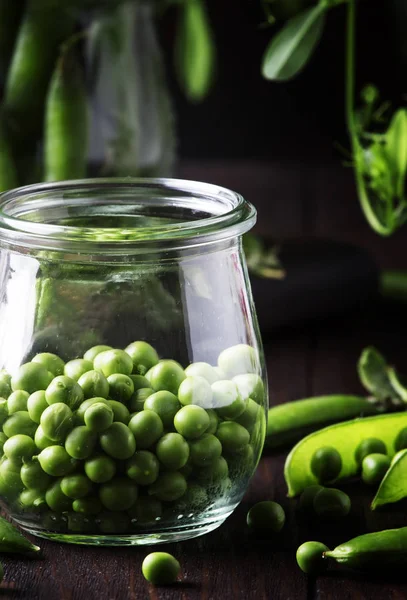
(83, 92)
(156, 438)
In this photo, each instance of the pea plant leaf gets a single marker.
(195, 53)
(290, 50)
(373, 374)
(396, 150)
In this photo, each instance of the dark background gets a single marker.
(246, 116)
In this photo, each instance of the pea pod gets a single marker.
(344, 437)
(11, 540)
(393, 486)
(372, 550)
(66, 126)
(291, 421)
(36, 49)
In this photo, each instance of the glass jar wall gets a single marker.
(134, 393)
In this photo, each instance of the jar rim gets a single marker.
(216, 213)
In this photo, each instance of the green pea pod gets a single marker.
(194, 50)
(11, 540)
(393, 486)
(344, 437)
(8, 172)
(10, 14)
(291, 421)
(372, 550)
(39, 37)
(66, 124)
(372, 369)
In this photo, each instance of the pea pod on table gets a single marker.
(393, 486)
(11, 540)
(372, 550)
(289, 422)
(345, 438)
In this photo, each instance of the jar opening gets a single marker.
(126, 214)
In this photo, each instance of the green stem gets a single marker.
(351, 123)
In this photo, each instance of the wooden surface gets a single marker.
(320, 358)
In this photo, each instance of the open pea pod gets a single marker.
(393, 486)
(345, 437)
(11, 540)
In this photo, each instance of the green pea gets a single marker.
(310, 557)
(202, 369)
(113, 522)
(232, 436)
(80, 442)
(227, 400)
(266, 517)
(113, 361)
(5, 385)
(194, 499)
(51, 362)
(306, 503)
(401, 440)
(64, 390)
(238, 360)
(331, 503)
(118, 441)
(57, 421)
(374, 468)
(121, 387)
(19, 447)
(213, 421)
(79, 523)
(33, 477)
(80, 413)
(251, 386)
(92, 353)
(17, 401)
(53, 522)
(167, 375)
(100, 468)
(94, 384)
(3, 410)
(36, 404)
(161, 568)
(146, 427)
(121, 413)
(56, 461)
(118, 494)
(146, 510)
(30, 377)
(191, 421)
(143, 355)
(87, 506)
(205, 450)
(19, 422)
(197, 391)
(74, 369)
(41, 440)
(168, 487)
(98, 417)
(3, 439)
(138, 399)
(140, 382)
(369, 446)
(172, 451)
(143, 467)
(214, 473)
(56, 499)
(10, 479)
(250, 416)
(76, 486)
(242, 464)
(326, 464)
(165, 404)
(31, 499)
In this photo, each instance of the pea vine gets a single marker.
(378, 138)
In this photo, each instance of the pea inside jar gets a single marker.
(102, 468)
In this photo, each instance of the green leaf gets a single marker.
(195, 52)
(393, 486)
(290, 50)
(396, 149)
(373, 373)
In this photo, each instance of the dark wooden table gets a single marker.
(320, 358)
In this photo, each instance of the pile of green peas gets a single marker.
(122, 438)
